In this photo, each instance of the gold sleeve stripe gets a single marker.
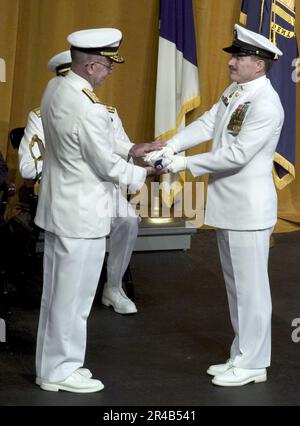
(111, 109)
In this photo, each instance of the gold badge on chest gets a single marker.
(237, 118)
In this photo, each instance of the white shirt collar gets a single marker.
(252, 85)
(78, 81)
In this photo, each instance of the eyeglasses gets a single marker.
(109, 66)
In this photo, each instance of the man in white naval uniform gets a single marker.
(30, 159)
(80, 171)
(245, 126)
(124, 227)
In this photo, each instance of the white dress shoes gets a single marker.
(240, 376)
(75, 383)
(118, 300)
(83, 371)
(214, 370)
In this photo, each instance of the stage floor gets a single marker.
(159, 356)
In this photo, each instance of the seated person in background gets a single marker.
(3, 178)
(4, 238)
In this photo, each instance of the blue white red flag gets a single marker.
(177, 90)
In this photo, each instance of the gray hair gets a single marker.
(268, 62)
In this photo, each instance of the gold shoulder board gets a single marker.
(93, 97)
(37, 112)
(111, 109)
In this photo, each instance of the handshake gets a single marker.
(159, 157)
(166, 160)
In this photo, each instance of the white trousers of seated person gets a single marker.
(71, 272)
(122, 238)
(244, 259)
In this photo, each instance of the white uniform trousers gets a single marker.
(244, 258)
(71, 272)
(122, 238)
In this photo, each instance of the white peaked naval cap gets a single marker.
(248, 42)
(98, 41)
(60, 63)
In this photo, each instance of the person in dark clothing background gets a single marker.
(3, 235)
(3, 170)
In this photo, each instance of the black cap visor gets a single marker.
(240, 48)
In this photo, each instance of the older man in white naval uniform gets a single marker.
(124, 227)
(81, 168)
(245, 126)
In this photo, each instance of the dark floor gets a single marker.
(159, 356)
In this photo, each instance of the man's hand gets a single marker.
(140, 150)
(178, 163)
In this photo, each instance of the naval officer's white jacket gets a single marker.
(241, 193)
(83, 161)
(34, 127)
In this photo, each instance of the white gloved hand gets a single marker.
(178, 163)
(155, 156)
